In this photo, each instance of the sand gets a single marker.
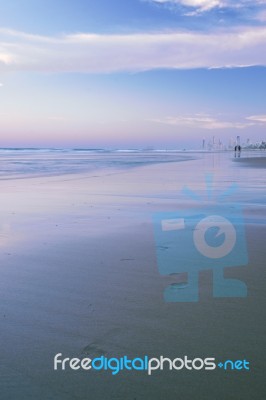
(79, 276)
(255, 162)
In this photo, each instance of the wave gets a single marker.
(27, 162)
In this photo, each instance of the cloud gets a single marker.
(1, 84)
(200, 6)
(106, 53)
(257, 118)
(205, 121)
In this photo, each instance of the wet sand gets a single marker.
(255, 162)
(79, 276)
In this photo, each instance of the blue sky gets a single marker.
(131, 73)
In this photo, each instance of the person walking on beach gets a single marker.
(238, 150)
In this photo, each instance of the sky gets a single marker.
(131, 73)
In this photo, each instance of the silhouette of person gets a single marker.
(237, 150)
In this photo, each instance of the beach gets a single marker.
(79, 275)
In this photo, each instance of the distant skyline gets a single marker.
(132, 73)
